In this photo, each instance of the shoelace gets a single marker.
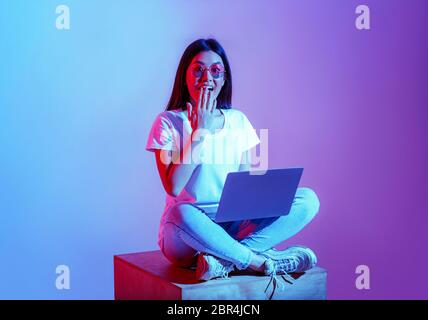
(276, 283)
(221, 271)
(287, 265)
(224, 274)
(284, 267)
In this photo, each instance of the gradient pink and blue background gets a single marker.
(350, 106)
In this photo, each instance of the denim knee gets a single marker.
(180, 214)
(310, 202)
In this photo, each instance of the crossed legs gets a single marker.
(188, 231)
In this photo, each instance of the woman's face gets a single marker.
(205, 69)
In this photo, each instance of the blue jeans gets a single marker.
(188, 231)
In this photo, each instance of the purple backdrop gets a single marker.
(348, 105)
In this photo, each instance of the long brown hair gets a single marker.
(180, 93)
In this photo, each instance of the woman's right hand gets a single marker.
(202, 117)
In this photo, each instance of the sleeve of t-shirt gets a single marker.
(250, 138)
(161, 135)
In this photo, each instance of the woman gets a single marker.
(198, 125)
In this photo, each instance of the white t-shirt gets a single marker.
(220, 152)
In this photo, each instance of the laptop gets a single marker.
(248, 196)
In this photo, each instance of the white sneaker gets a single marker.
(209, 267)
(292, 259)
(283, 262)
